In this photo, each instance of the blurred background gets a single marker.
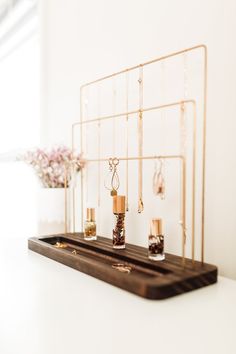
(49, 48)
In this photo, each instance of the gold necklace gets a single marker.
(140, 142)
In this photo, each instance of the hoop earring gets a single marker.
(114, 182)
(158, 181)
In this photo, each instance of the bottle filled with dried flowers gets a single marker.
(119, 230)
(90, 225)
(156, 241)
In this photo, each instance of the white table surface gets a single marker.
(48, 308)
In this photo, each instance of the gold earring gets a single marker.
(158, 181)
(113, 184)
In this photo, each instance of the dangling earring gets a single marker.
(158, 181)
(114, 182)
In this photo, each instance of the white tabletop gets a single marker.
(48, 308)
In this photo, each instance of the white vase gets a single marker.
(51, 211)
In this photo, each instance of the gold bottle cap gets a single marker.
(119, 204)
(90, 214)
(156, 227)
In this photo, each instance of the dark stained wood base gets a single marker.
(149, 279)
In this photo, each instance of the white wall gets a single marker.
(83, 40)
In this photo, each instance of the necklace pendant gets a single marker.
(113, 192)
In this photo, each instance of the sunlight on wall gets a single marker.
(19, 116)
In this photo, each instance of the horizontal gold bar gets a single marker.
(138, 158)
(144, 64)
(125, 114)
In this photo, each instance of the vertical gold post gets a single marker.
(127, 143)
(73, 186)
(86, 175)
(99, 165)
(81, 147)
(65, 196)
(183, 209)
(99, 146)
(73, 198)
(194, 180)
(114, 120)
(204, 153)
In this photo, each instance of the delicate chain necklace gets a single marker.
(140, 142)
(114, 119)
(183, 132)
(163, 122)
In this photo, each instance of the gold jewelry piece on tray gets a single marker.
(115, 181)
(158, 181)
(60, 245)
(74, 252)
(122, 268)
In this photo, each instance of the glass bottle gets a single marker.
(156, 241)
(90, 225)
(119, 230)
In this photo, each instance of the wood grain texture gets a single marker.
(149, 279)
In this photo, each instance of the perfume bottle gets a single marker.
(156, 241)
(90, 225)
(119, 230)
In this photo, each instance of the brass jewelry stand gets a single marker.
(154, 280)
(139, 113)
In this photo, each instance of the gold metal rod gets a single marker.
(194, 180)
(144, 64)
(73, 187)
(127, 144)
(99, 166)
(66, 201)
(183, 210)
(138, 158)
(99, 155)
(99, 178)
(204, 154)
(73, 197)
(114, 121)
(129, 113)
(86, 147)
(82, 177)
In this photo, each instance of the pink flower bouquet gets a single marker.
(50, 166)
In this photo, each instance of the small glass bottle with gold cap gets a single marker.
(90, 225)
(119, 230)
(156, 241)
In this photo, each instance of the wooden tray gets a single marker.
(149, 279)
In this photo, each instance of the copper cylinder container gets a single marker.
(119, 230)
